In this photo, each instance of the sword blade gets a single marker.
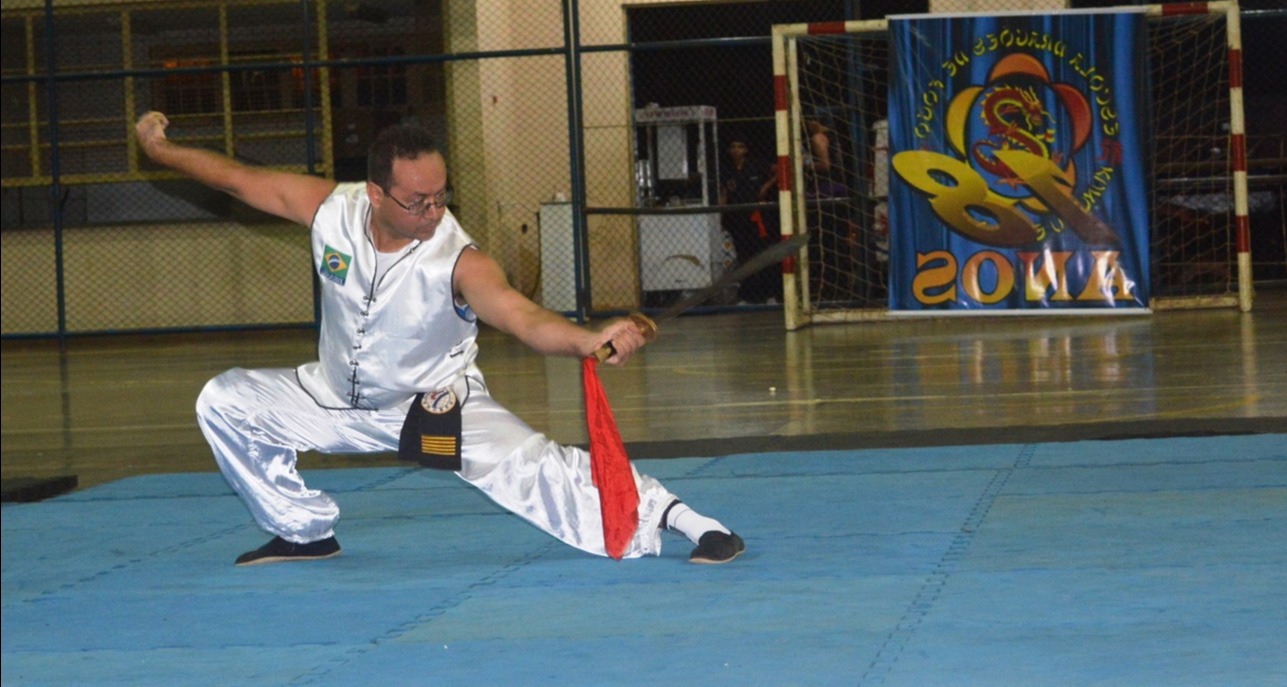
(769, 256)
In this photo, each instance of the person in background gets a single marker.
(828, 207)
(747, 179)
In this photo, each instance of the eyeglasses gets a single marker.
(420, 206)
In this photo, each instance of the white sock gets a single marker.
(690, 523)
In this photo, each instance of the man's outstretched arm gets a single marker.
(482, 284)
(291, 196)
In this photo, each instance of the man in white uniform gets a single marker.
(402, 288)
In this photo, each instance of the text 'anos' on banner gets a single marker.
(1017, 175)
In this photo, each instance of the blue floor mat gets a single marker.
(1134, 562)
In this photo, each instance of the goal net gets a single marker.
(832, 85)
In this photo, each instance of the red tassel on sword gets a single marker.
(609, 465)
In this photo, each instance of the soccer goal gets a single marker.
(832, 100)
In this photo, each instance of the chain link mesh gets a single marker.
(841, 82)
(842, 87)
(543, 156)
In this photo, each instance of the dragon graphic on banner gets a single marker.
(1017, 146)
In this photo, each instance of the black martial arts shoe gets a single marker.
(717, 547)
(278, 550)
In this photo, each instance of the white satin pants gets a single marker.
(257, 420)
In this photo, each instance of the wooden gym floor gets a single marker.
(105, 408)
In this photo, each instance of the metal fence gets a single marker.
(588, 144)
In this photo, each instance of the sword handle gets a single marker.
(645, 325)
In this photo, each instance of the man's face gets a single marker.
(737, 150)
(419, 183)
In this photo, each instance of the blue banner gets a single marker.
(1017, 162)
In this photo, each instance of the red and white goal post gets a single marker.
(1199, 235)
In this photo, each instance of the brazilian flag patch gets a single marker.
(335, 265)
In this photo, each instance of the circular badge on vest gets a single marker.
(439, 402)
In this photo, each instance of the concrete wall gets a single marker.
(158, 276)
(509, 131)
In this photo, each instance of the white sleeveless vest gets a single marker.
(381, 343)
